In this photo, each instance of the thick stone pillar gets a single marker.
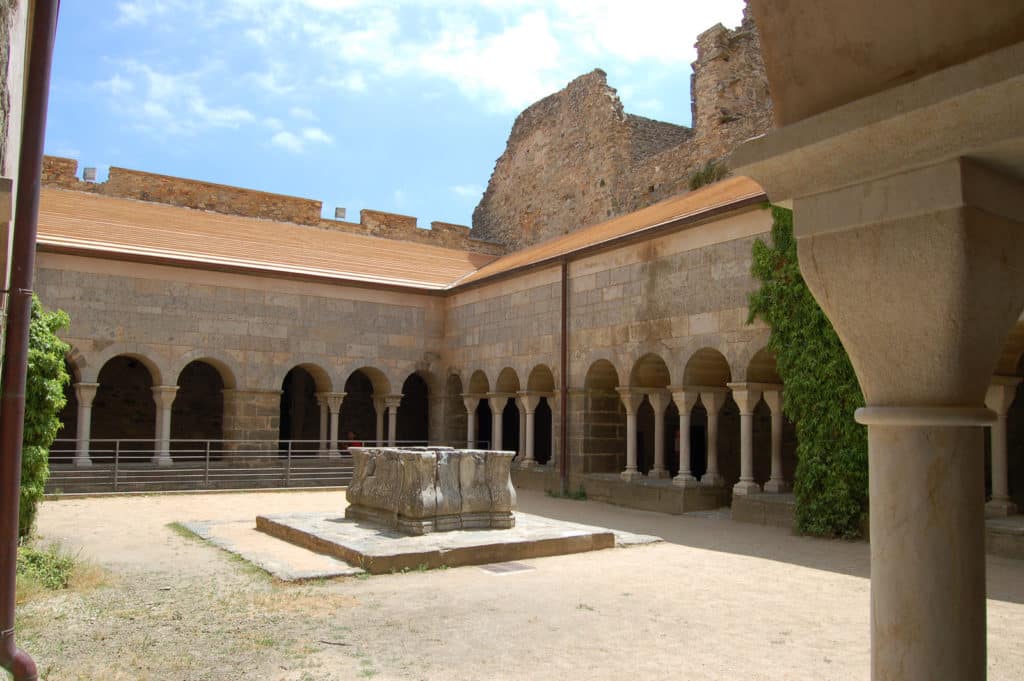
(631, 399)
(684, 399)
(659, 400)
(252, 421)
(378, 407)
(712, 399)
(521, 454)
(746, 398)
(85, 393)
(471, 402)
(392, 402)
(999, 398)
(777, 482)
(163, 395)
(321, 400)
(529, 402)
(497, 402)
(334, 401)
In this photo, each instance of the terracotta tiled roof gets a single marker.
(690, 206)
(88, 223)
(83, 223)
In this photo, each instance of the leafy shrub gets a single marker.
(821, 390)
(710, 173)
(51, 567)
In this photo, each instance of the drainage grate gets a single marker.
(506, 568)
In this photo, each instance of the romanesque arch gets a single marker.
(414, 411)
(197, 414)
(479, 386)
(542, 380)
(707, 372)
(124, 410)
(300, 413)
(505, 400)
(363, 406)
(604, 420)
(455, 416)
(657, 419)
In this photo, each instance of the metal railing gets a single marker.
(140, 465)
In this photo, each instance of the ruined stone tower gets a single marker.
(576, 157)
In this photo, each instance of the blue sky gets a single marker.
(391, 105)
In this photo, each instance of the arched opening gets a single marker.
(604, 421)
(762, 368)
(197, 414)
(357, 420)
(300, 409)
(478, 383)
(508, 384)
(708, 368)
(455, 416)
(1015, 442)
(63, 448)
(414, 412)
(123, 410)
(484, 425)
(651, 373)
(542, 432)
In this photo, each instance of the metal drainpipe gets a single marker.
(564, 380)
(43, 25)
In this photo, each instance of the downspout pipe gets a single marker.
(43, 26)
(564, 381)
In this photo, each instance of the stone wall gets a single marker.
(176, 191)
(576, 158)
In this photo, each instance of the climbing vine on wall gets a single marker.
(44, 398)
(821, 390)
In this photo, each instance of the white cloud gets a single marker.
(273, 123)
(275, 80)
(116, 85)
(289, 141)
(467, 191)
(317, 135)
(302, 113)
(399, 197)
(353, 82)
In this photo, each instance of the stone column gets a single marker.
(999, 398)
(631, 399)
(712, 401)
(497, 402)
(522, 429)
(746, 398)
(321, 400)
(471, 402)
(392, 402)
(163, 395)
(378, 406)
(777, 482)
(659, 402)
(334, 401)
(529, 402)
(684, 399)
(86, 393)
(914, 268)
(252, 421)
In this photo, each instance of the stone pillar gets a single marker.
(86, 393)
(999, 398)
(497, 402)
(252, 421)
(631, 399)
(777, 482)
(321, 400)
(471, 402)
(659, 402)
(746, 398)
(334, 401)
(392, 402)
(712, 401)
(379, 406)
(684, 399)
(522, 430)
(914, 269)
(163, 395)
(529, 402)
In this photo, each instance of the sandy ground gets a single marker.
(717, 600)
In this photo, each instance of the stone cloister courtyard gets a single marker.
(715, 600)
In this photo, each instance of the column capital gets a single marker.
(86, 392)
(659, 399)
(684, 397)
(334, 400)
(746, 396)
(497, 401)
(530, 399)
(773, 398)
(471, 401)
(1000, 394)
(163, 395)
(713, 398)
(392, 401)
(632, 398)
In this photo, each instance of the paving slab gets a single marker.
(281, 559)
(379, 550)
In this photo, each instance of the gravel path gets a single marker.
(717, 600)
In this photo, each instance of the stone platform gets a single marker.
(379, 550)
(764, 509)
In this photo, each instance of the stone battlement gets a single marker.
(187, 193)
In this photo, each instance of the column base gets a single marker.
(1000, 508)
(685, 480)
(527, 464)
(83, 462)
(745, 487)
(776, 487)
(659, 474)
(712, 480)
(629, 476)
(162, 461)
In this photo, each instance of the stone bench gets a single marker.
(417, 490)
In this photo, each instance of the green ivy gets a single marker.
(711, 172)
(821, 390)
(44, 399)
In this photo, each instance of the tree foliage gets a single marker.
(44, 399)
(821, 390)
